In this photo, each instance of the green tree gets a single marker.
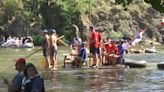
(156, 4)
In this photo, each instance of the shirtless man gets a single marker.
(45, 47)
(53, 49)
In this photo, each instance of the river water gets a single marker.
(148, 79)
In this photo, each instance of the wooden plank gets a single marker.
(99, 67)
(111, 67)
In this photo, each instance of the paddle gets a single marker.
(62, 41)
(60, 37)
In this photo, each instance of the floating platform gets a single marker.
(110, 67)
(160, 65)
(136, 64)
(150, 51)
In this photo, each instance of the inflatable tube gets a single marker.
(136, 64)
(160, 65)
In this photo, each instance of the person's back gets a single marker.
(83, 53)
(45, 47)
(31, 85)
(53, 49)
(54, 40)
(120, 52)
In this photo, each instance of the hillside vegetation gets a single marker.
(118, 18)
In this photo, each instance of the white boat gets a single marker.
(13, 43)
(26, 45)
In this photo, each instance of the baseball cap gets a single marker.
(21, 60)
(45, 30)
(83, 44)
(53, 30)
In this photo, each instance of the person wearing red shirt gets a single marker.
(95, 43)
(99, 47)
(92, 44)
(107, 51)
(162, 22)
(118, 58)
(112, 52)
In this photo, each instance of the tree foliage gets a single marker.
(35, 15)
(156, 4)
(124, 3)
(61, 14)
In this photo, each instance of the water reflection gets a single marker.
(133, 80)
(93, 80)
(84, 80)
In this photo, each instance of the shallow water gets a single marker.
(148, 79)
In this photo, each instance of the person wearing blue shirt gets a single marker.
(83, 52)
(81, 57)
(121, 53)
(32, 82)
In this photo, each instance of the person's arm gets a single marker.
(59, 38)
(13, 87)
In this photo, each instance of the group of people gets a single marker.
(50, 47)
(18, 42)
(79, 54)
(26, 80)
(103, 52)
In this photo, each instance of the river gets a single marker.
(148, 79)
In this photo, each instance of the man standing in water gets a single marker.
(45, 47)
(15, 85)
(53, 49)
(93, 41)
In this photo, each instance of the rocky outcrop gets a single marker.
(126, 20)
